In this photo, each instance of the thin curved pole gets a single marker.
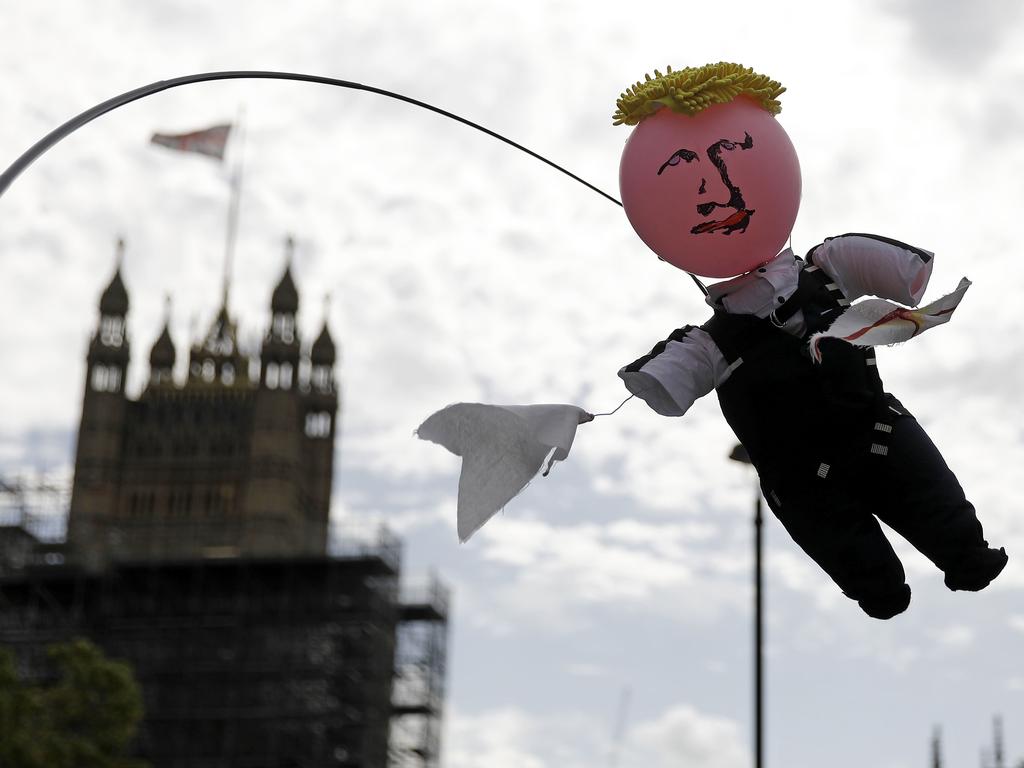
(49, 140)
(109, 105)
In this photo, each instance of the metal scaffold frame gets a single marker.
(242, 658)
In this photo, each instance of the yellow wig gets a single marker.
(695, 88)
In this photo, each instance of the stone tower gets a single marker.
(222, 464)
(98, 456)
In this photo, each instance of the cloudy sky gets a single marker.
(614, 596)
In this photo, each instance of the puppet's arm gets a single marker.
(685, 366)
(873, 265)
(876, 322)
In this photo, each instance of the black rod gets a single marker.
(72, 125)
(758, 636)
(49, 140)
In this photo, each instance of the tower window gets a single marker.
(318, 424)
(272, 376)
(209, 370)
(99, 379)
(111, 330)
(161, 376)
(283, 327)
(285, 380)
(321, 378)
(227, 374)
(106, 378)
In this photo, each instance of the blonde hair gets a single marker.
(693, 89)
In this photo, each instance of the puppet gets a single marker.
(711, 183)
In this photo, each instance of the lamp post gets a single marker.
(739, 453)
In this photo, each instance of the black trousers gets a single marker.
(912, 490)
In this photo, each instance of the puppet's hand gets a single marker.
(875, 322)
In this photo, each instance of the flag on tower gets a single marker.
(210, 141)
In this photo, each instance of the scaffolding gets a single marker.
(420, 670)
(33, 521)
(255, 663)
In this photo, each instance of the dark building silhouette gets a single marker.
(223, 464)
(198, 549)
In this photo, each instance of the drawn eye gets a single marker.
(682, 154)
(728, 145)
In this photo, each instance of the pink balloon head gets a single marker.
(715, 193)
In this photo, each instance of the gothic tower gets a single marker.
(274, 492)
(101, 429)
(220, 465)
(321, 409)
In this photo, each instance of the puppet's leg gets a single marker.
(847, 542)
(919, 496)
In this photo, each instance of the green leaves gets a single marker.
(86, 718)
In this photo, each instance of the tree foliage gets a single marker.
(85, 718)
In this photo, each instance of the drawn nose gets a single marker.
(713, 193)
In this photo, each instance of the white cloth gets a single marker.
(502, 448)
(875, 322)
(860, 265)
(870, 266)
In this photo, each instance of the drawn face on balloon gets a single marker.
(715, 193)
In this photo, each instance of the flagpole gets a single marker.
(233, 205)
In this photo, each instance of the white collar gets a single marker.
(760, 291)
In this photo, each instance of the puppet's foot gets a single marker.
(978, 571)
(886, 605)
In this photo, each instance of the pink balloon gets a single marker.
(715, 193)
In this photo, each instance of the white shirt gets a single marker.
(859, 265)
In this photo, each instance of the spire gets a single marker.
(937, 748)
(997, 742)
(162, 355)
(285, 299)
(114, 300)
(323, 351)
(225, 290)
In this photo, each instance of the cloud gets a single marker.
(954, 34)
(683, 736)
(512, 738)
(557, 575)
(461, 270)
(956, 637)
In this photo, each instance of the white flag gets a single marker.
(502, 448)
(876, 322)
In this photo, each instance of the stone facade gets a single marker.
(233, 461)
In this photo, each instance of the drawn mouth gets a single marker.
(737, 222)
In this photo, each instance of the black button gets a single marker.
(781, 300)
(762, 270)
